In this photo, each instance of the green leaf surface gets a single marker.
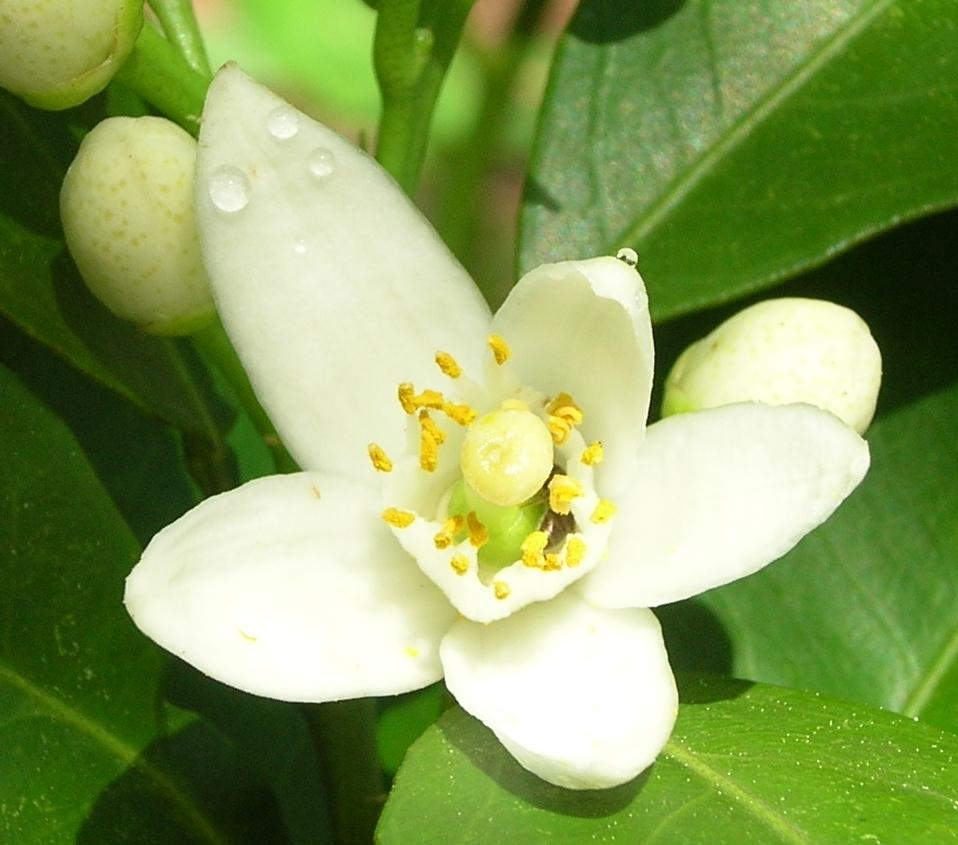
(736, 144)
(41, 291)
(86, 757)
(746, 764)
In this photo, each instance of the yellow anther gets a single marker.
(379, 458)
(428, 451)
(448, 364)
(564, 405)
(460, 564)
(429, 399)
(428, 425)
(552, 562)
(533, 547)
(458, 413)
(592, 454)
(501, 589)
(562, 490)
(574, 551)
(406, 392)
(478, 533)
(397, 518)
(500, 349)
(604, 511)
(447, 534)
(559, 429)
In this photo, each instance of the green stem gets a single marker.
(216, 346)
(345, 735)
(179, 24)
(414, 44)
(160, 75)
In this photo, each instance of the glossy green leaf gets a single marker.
(86, 755)
(735, 144)
(746, 764)
(42, 293)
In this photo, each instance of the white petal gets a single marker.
(582, 697)
(583, 327)
(721, 493)
(291, 587)
(332, 287)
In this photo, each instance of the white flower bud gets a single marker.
(127, 211)
(57, 54)
(778, 352)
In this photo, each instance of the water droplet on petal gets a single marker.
(282, 122)
(300, 247)
(229, 189)
(628, 256)
(321, 162)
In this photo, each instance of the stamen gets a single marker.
(447, 534)
(460, 564)
(562, 490)
(428, 425)
(552, 562)
(593, 454)
(500, 349)
(458, 413)
(574, 551)
(533, 547)
(448, 364)
(428, 451)
(559, 429)
(380, 459)
(406, 392)
(397, 518)
(604, 511)
(478, 533)
(501, 589)
(563, 405)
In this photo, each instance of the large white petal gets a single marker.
(582, 697)
(583, 327)
(332, 287)
(719, 494)
(291, 587)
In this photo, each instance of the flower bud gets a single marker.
(778, 352)
(55, 55)
(127, 211)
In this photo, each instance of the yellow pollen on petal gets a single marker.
(604, 511)
(379, 458)
(533, 547)
(459, 413)
(500, 349)
(501, 589)
(460, 564)
(429, 425)
(397, 518)
(406, 392)
(447, 534)
(448, 364)
(559, 429)
(428, 451)
(574, 551)
(478, 533)
(592, 454)
(562, 490)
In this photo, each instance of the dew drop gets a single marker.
(229, 189)
(321, 162)
(628, 256)
(282, 122)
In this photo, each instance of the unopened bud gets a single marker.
(127, 211)
(55, 55)
(778, 352)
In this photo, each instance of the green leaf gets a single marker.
(41, 291)
(735, 145)
(85, 756)
(746, 764)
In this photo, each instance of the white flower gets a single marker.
(336, 292)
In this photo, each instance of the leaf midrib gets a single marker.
(127, 754)
(676, 190)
